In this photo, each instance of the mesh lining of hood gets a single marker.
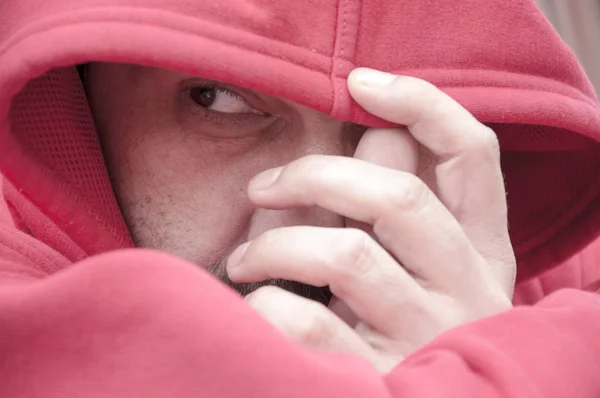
(53, 121)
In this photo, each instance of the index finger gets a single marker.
(469, 177)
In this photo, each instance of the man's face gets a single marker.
(181, 150)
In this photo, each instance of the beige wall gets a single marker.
(578, 21)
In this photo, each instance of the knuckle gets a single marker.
(411, 195)
(355, 257)
(484, 140)
(315, 326)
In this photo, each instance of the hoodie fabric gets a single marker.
(83, 313)
(581, 271)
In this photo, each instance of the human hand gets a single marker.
(416, 260)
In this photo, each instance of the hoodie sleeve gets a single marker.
(143, 324)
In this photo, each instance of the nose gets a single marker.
(316, 134)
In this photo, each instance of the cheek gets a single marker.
(184, 196)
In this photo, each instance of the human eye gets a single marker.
(222, 110)
(220, 99)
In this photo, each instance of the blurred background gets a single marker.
(578, 21)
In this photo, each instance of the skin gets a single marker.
(407, 227)
(180, 171)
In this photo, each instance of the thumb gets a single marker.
(394, 148)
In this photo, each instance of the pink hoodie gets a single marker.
(80, 317)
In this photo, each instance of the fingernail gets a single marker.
(265, 179)
(235, 259)
(372, 78)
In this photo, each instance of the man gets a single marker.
(182, 150)
(262, 172)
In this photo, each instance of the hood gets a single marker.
(501, 59)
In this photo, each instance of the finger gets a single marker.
(394, 148)
(407, 218)
(307, 322)
(470, 181)
(357, 270)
